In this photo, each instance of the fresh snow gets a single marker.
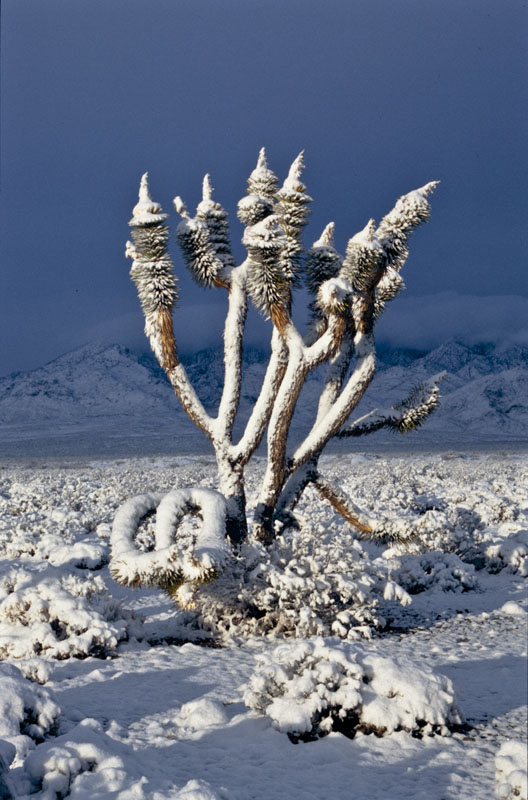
(143, 713)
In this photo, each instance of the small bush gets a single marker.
(311, 688)
(53, 612)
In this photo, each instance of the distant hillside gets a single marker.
(117, 394)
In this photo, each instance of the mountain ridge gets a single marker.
(485, 393)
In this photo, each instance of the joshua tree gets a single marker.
(349, 295)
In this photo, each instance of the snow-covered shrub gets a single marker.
(316, 580)
(461, 508)
(38, 522)
(28, 712)
(198, 790)
(38, 536)
(313, 687)
(511, 771)
(53, 612)
(7, 754)
(510, 552)
(35, 669)
(83, 763)
(434, 570)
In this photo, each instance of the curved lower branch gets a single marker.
(350, 512)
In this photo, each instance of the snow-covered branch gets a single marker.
(340, 410)
(262, 409)
(406, 416)
(170, 563)
(233, 341)
(157, 289)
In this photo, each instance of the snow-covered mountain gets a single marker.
(100, 389)
(484, 394)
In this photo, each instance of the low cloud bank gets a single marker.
(420, 323)
(424, 323)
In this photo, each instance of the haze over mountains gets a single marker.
(108, 400)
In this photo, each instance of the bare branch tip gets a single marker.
(180, 207)
(207, 188)
(429, 188)
(327, 236)
(144, 193)
(262, 161)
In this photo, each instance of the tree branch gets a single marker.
(404, 417)
(343, 505)
(352, 393)
(259, 418)
(233, 342)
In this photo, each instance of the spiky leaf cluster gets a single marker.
(152, 270)
(389, 287)
(333, 296)
(405, 416)
(292, 211)
(290, 260)
(215, 218)
(394, 230)
(263, 181)
(322, 260)
(421, 402)
(268, 286)
(252, 209)
(292, 200)
(363, 258)
(198, 252)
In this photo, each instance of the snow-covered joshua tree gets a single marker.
(349, 295)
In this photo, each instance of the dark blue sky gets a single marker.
(383, 95)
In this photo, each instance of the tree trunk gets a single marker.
(232, 487)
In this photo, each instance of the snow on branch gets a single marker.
(363, 258)
(170, 564)
(260, 415)
(410, 211)
(204, 240)
(157, 289)
(153, 274)
(146, 211)
(406, 416)
(215, 218)
(344, 404)
(263, 181)
(233, 340)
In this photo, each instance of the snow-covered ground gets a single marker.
(102, 697)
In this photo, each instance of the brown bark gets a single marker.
(168, 343)
(339, 502)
